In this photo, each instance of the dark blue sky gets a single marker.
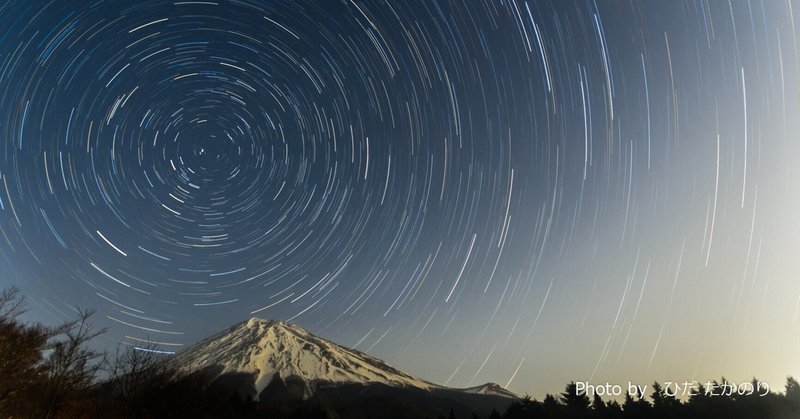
(520, 192)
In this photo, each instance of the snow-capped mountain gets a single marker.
(490, 388)
(265, 348)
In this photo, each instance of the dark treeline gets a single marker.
(51, 372)
(701, 403)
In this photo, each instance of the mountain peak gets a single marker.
(491, 388)
(278, 352)
(273, 348)
(262, 324)
(256, 322)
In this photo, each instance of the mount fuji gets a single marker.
(265, 359)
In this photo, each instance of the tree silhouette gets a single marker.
(613, 409)
(72, 367)
(664, 405)
(573, 400)
(792, 389)
(21, 358)
(636, 408)
(524, 408)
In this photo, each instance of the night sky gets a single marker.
(523, 192)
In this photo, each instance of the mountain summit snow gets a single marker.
(271, 348)
(275, 353)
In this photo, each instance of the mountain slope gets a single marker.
(273, 349)
(490, 388)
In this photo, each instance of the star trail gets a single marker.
(524, 192)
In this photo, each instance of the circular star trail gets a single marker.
(467, 189)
